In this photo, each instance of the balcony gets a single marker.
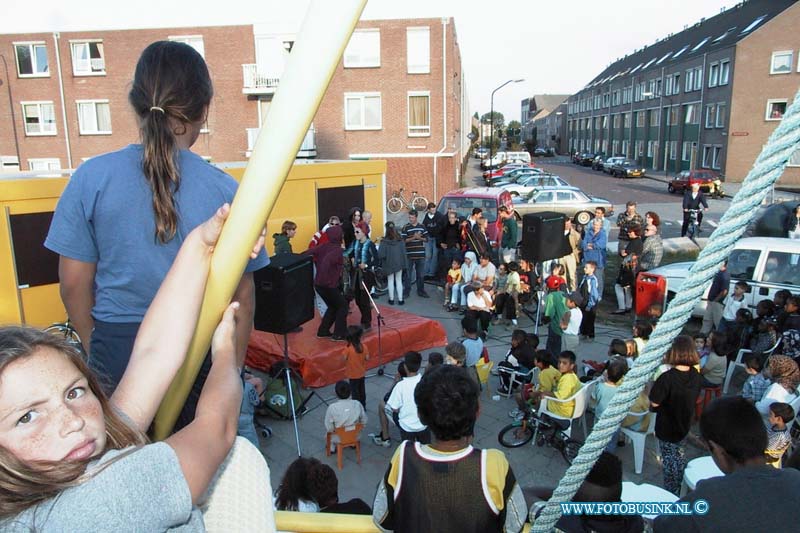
(308, 149)
(256, 82)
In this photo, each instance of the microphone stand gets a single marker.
(379, 319)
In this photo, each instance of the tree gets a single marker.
(499, 120)
(475, 116)
(514, 131)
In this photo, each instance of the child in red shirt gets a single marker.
(355, 360)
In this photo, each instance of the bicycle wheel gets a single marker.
(394, 205)
(420, 203)
(515, 435)
(570, 449)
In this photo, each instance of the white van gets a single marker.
(522, 157)
(767, 264)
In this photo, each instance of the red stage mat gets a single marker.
(320, 361)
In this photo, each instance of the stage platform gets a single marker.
(320, 361)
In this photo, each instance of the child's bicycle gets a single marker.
(541, 431)
(396, 203)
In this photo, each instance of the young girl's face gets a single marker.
(47, 410)
(700, 344)
(454, 265)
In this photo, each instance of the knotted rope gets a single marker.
(769, 165)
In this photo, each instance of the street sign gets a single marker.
(739, 134)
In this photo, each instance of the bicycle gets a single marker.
(396, 203)
(69, 333)
(533, 427)
(693, 229)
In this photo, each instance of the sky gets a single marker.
(555, 46)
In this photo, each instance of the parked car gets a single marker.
(514, 176)
(597, 162)
(526, 185)
(610, 162)
(627, 169)
(498, 160)
(684, 180)
(571, 201)
(586, 159)
(539, 152)
(482, 152)
(487, 198)
(521, 157)
(767, 264)
(505, 169)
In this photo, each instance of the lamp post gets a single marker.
(491, 117)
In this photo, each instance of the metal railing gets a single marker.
(256, 82)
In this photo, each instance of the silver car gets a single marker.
(526, 185)
(570, 201)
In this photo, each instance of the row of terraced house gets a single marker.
(398, 94)
(707, 97)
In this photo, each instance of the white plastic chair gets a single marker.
(740, 363)
(639, 438)
(581, 399)
(517, 378)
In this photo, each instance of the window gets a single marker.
(676, 87)
(689, 80)
(708, 155)
(698, 78)
(686, 151)
(640, 119)
(605, 122)
(195, 41)
(418, 50)
(364, 49)
(88, 58)
(672, 117)
(794, 161)
(626, 120)
(721, 110)
(753, 24)
(615, 98)
(419, 114)
(668, 86)
(673, 150)
(639, 148)
(711, 116)
(362, 111)
(679, 52)
(692, 114)
(700, 44)
(713, 75)
(40, 118)
(615, 147)
(31, 60)
(724, 72)
(775, 109)
(655, 117)
(44, 164)
(781, 62)
(94, 117)
(716, 160)
(616, 120)
(651, 148)
(625, 148)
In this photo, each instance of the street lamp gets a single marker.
(491, 117)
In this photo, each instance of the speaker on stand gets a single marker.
(543, 239)
(285, 301)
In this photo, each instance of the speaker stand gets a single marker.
(288, 376)
(379, 319)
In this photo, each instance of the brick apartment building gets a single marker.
(707, 97)
(398, 94)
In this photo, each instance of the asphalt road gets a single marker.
(649, 193)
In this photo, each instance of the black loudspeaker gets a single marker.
(543, 236)
(284, 293)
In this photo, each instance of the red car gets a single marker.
(708, 180)
(489, 174)
(489, 199)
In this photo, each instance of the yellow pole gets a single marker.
(320, 44)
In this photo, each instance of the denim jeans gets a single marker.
(431, 254)
(419, 266)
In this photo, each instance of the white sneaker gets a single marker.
(378, 440)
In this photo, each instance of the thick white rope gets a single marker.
(769, 165)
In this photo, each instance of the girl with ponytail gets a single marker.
(123, 216)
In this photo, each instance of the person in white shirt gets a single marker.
(343, 413)
(571, 322)
(403, 405)
(479, 306)
(733, 303)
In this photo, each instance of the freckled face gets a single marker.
(47, 410)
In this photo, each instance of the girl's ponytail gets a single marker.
(171, 88)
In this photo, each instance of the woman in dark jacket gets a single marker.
(627, 270)
(330, 261)
(348, 227)
(392, 254)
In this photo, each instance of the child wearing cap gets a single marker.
(571, 322)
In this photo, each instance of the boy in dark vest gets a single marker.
(448, 486)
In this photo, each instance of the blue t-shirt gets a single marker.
(474, 348)
(105, 216)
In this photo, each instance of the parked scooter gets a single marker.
(716, 188)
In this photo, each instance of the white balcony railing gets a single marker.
(307, 150)
(256, 82)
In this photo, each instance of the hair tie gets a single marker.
(156, 108)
